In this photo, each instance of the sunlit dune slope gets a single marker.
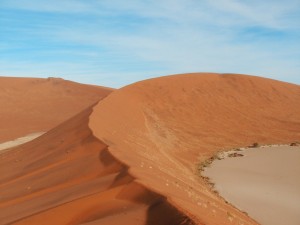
(29, 105)
(161, 128)
(67, 176)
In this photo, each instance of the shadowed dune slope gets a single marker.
(165, 126)
(67, 176)
(30, 105)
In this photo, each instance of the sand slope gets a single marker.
(30, 105)
(169, 124)
(68, 177)
(131, 159)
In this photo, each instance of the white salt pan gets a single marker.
(265, 183)
(19, 141)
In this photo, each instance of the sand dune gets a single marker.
(169, 124)
(132, 158)
(67, 177)
(30, 105)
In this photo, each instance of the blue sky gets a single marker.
(116, 42)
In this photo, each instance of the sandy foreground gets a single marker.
(265, 183)
(19, 141)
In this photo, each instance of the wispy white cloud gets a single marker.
(65, 6)
(272, 14)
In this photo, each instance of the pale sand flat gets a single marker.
(265, 183)
(19, 141)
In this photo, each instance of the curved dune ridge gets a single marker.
(132, 158)
(165, 126)
(31, 105)
(68, 177)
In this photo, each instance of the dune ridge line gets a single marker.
(170, 123)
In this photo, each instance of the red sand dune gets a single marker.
(132, 159)
(30, 105)
(68, 177)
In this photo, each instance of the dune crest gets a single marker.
(68, 177)
(170, 124)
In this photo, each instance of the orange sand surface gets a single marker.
(132, 158)
(30, 105)
(68, 177)
(264, 182)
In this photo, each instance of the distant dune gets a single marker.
(30, 105)
(132, 158)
